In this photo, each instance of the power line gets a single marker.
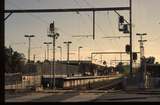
(80, 13)
(89, 16)
(34, 16)
(84, 21)
(82, 36)
(111, 25)
(116, 37)
(77, 3)
(18, 43)
(88, 3)
(109, 21)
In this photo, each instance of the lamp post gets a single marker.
(54, 36)
(29, 39)
(47, 43)
(60, 52)
(79, 53)
(67, 43)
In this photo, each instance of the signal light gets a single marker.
(125, 28)
(128, 48)
(52, 27)
(134, 56)
(121, 19)
(104, 62)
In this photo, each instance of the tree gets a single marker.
(38, 62)
(157, 62)
(14, 60)
(17, 61)
(8, 62)
(120, 67)
(150, 60)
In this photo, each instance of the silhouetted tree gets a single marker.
(120, 67)
(38, 62)
(8, 62)
(14, 61)
(150, 60)
(46, 61)
(157, 62)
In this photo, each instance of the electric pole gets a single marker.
(67, 43)
(130, 41)
(141, 41)
(142, 61)
(29, 51)
(54, 36)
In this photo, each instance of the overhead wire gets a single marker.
(34, 16)
(98, 26)
(90, 18)
(19, 7)
(88, 3)
(111, 25)
(82, 18)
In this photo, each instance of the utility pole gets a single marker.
(131, 57)
(94, 25)
(141, 41)
(54, 36)
(29, 51)
(60, 52)
(34, 56)
(142, 62)
(67, 43)
(47, 43)
(79, 53)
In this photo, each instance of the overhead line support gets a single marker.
(65, 10)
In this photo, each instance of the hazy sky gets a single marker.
(146, 18)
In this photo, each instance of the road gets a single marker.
(86, 96)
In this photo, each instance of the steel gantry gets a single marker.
(11, 11)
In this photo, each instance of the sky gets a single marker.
(146, 19)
